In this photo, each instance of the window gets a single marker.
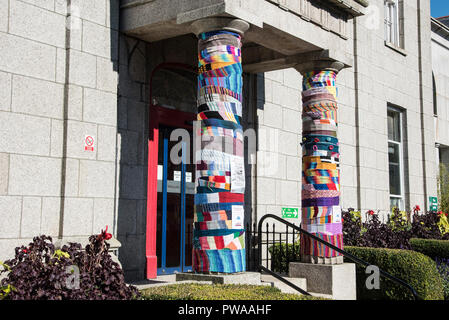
(395, 158)
(392, 22)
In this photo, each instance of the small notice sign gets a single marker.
(89, 143)
(238, 215)
(290, 213)
(336, 214)
(237, 175)
(160, 171)
(433, 204)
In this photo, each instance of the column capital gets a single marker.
(319, 65)
(220, 23)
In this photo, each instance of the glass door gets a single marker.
(175, 191)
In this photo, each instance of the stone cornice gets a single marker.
(364, 3)
(440, 28)
(352, 7)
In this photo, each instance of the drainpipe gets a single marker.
(357, 115)
(68, 26)
(421, 105)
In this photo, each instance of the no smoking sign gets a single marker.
(89, 143)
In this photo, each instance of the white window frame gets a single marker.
(391, 22)
(400, 143)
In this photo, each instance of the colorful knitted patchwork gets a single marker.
(317, 249)
(208, 132)
(234, 108)
(219, 235)
(321, 212)
(226, 260)
(212, 216)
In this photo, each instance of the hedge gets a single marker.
(437, 250)
(413, 267)
(431, 248)
(278, 252)
(194, 291)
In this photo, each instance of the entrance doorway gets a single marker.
(175, 189)
(175, 192)
(171, 172)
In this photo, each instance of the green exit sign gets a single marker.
(291, 213)
(433, 203)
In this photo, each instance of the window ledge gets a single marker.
(395, 48)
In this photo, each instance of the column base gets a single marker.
(252, 278)
(339, 281)
(321, 260)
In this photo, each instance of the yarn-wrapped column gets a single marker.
(321, 211)
(219, 235)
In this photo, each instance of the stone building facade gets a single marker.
(82, 81)
(440, 56)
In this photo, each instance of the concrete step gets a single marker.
(322, 295)
(299, 282)
(163, 280)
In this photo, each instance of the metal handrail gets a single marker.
(344, 253)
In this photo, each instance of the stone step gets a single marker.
(322, 295)
(299, 282)
(163, 280)
(251, 278)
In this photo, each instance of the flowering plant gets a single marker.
(398, 230)
(104, 235)
(443, 223)
(42, 272)
(399, 220)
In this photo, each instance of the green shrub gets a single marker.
(416, 269)
(443, 269)
(431, 248)
(194, 291)
(443, 188)
(279, 260)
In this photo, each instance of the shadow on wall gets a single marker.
(137, 61)
(131, 174)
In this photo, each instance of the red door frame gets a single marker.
(159, 115)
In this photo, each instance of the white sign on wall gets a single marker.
(89, 142)
(238, 215)
(176, 175)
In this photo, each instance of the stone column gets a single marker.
(218, 234)
(321, 211)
